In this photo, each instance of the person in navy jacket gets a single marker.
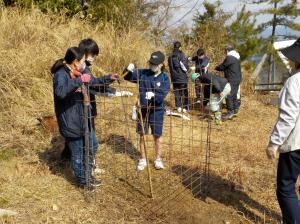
(68, 103)
(91, 51)
(201, 67)
(154, 85)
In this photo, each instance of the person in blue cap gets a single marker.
(154, 85)
(285, 138)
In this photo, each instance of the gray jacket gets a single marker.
(286, 132)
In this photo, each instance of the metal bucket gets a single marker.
(214, 104)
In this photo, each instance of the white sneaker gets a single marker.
(158, 164)
(179, 109)
(141, 164)
(98, 171)
(184, 111)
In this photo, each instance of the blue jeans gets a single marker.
(287, 174)
(76, 146)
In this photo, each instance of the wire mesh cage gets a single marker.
(193, 147)
(185, 149)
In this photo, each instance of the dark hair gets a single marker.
(177, 45)
(229, 47)
(89, 46)
(200, 52)
(72, 54)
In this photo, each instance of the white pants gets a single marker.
(226, 90)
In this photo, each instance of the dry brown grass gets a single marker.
(36, 185)
(30, 42)
(41, 190)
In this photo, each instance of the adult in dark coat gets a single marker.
(231, 67)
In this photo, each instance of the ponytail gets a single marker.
(57, 65)
(72, 54)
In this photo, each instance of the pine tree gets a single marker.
(284, 14)
(214, 29)
(210, 32)
(243, 34)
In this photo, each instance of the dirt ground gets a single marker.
(240, 187)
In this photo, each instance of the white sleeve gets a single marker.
(183, 67)
(289, 108)
(206, 68)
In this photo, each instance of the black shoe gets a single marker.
(66, 154)
(94, 182)
(236, 111)
(228, 116)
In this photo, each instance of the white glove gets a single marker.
(130, 67)
(149, 95)
(272, 151)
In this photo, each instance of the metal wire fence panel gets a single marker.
(199, 164)
(185, 148)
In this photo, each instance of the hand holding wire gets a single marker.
(114, 76)
(130, 67)
(149, 95)
(85, 78)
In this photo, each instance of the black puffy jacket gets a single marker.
(218, 83)
(231, 67)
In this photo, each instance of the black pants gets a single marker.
(231, 100)
(287, 175)
(206, 97)
(181, 95)
(198, 91)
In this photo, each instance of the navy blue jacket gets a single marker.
(159, 85)
(68, 102)
(201, 64)
(178, 75)
(97, 89)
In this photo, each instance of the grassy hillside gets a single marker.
(30, 42)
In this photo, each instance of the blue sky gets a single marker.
(227, 5)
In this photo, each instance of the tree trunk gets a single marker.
(271, 74)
